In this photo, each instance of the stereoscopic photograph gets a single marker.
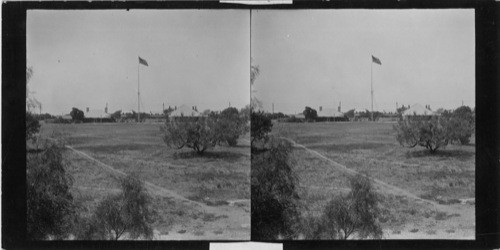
(363, 124)
(138, 124)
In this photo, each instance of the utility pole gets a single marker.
(138, 95)
(371, 84)
(273, 107)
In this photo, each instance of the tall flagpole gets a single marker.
(371, 77)
(138, 95)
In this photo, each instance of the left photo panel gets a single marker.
(137, 124)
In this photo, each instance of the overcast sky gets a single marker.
(323, 57)
(89, 58)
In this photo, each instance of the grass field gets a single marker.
(443, 178)
(219, 180)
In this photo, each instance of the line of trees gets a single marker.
(355, 213)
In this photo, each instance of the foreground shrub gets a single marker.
(88, 228)
(110, 215)
(261, 125)
(344, 216)
(49, 203)
(313, 228)
(274, 197)
(432, 133)
(129, 212)
(32, 126)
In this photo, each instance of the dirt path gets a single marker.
(234, 222)
(452, 226)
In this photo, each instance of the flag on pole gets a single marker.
(376, 60)
(143, 62)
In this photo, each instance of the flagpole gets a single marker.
(371, 81)
(138, 95)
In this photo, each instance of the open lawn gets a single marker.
(418, 190)
(215, 187)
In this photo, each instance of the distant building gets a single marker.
(67, 117)
(97, 115)
(185, 111)
(417, 110)
(328, 114)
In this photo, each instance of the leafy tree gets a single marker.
(230, 126)
(275, 200)
(261, 125)
(77, 115)
(117, 115)
(430, 133)
(198, 133)
(310, 114)
(461, 125)
(254, 72)
(50, 208)
(31, 101)
(349, 114)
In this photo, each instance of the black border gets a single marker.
(487, 126)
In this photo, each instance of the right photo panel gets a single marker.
(362, 124)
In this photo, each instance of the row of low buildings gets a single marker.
(330, 114)
(98, 115)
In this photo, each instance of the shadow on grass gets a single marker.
(115, 148)
(457, 154)
(346, 148)
(231, 156)
(240, 146)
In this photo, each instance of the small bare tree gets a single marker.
(354, 213)
(128, 212)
